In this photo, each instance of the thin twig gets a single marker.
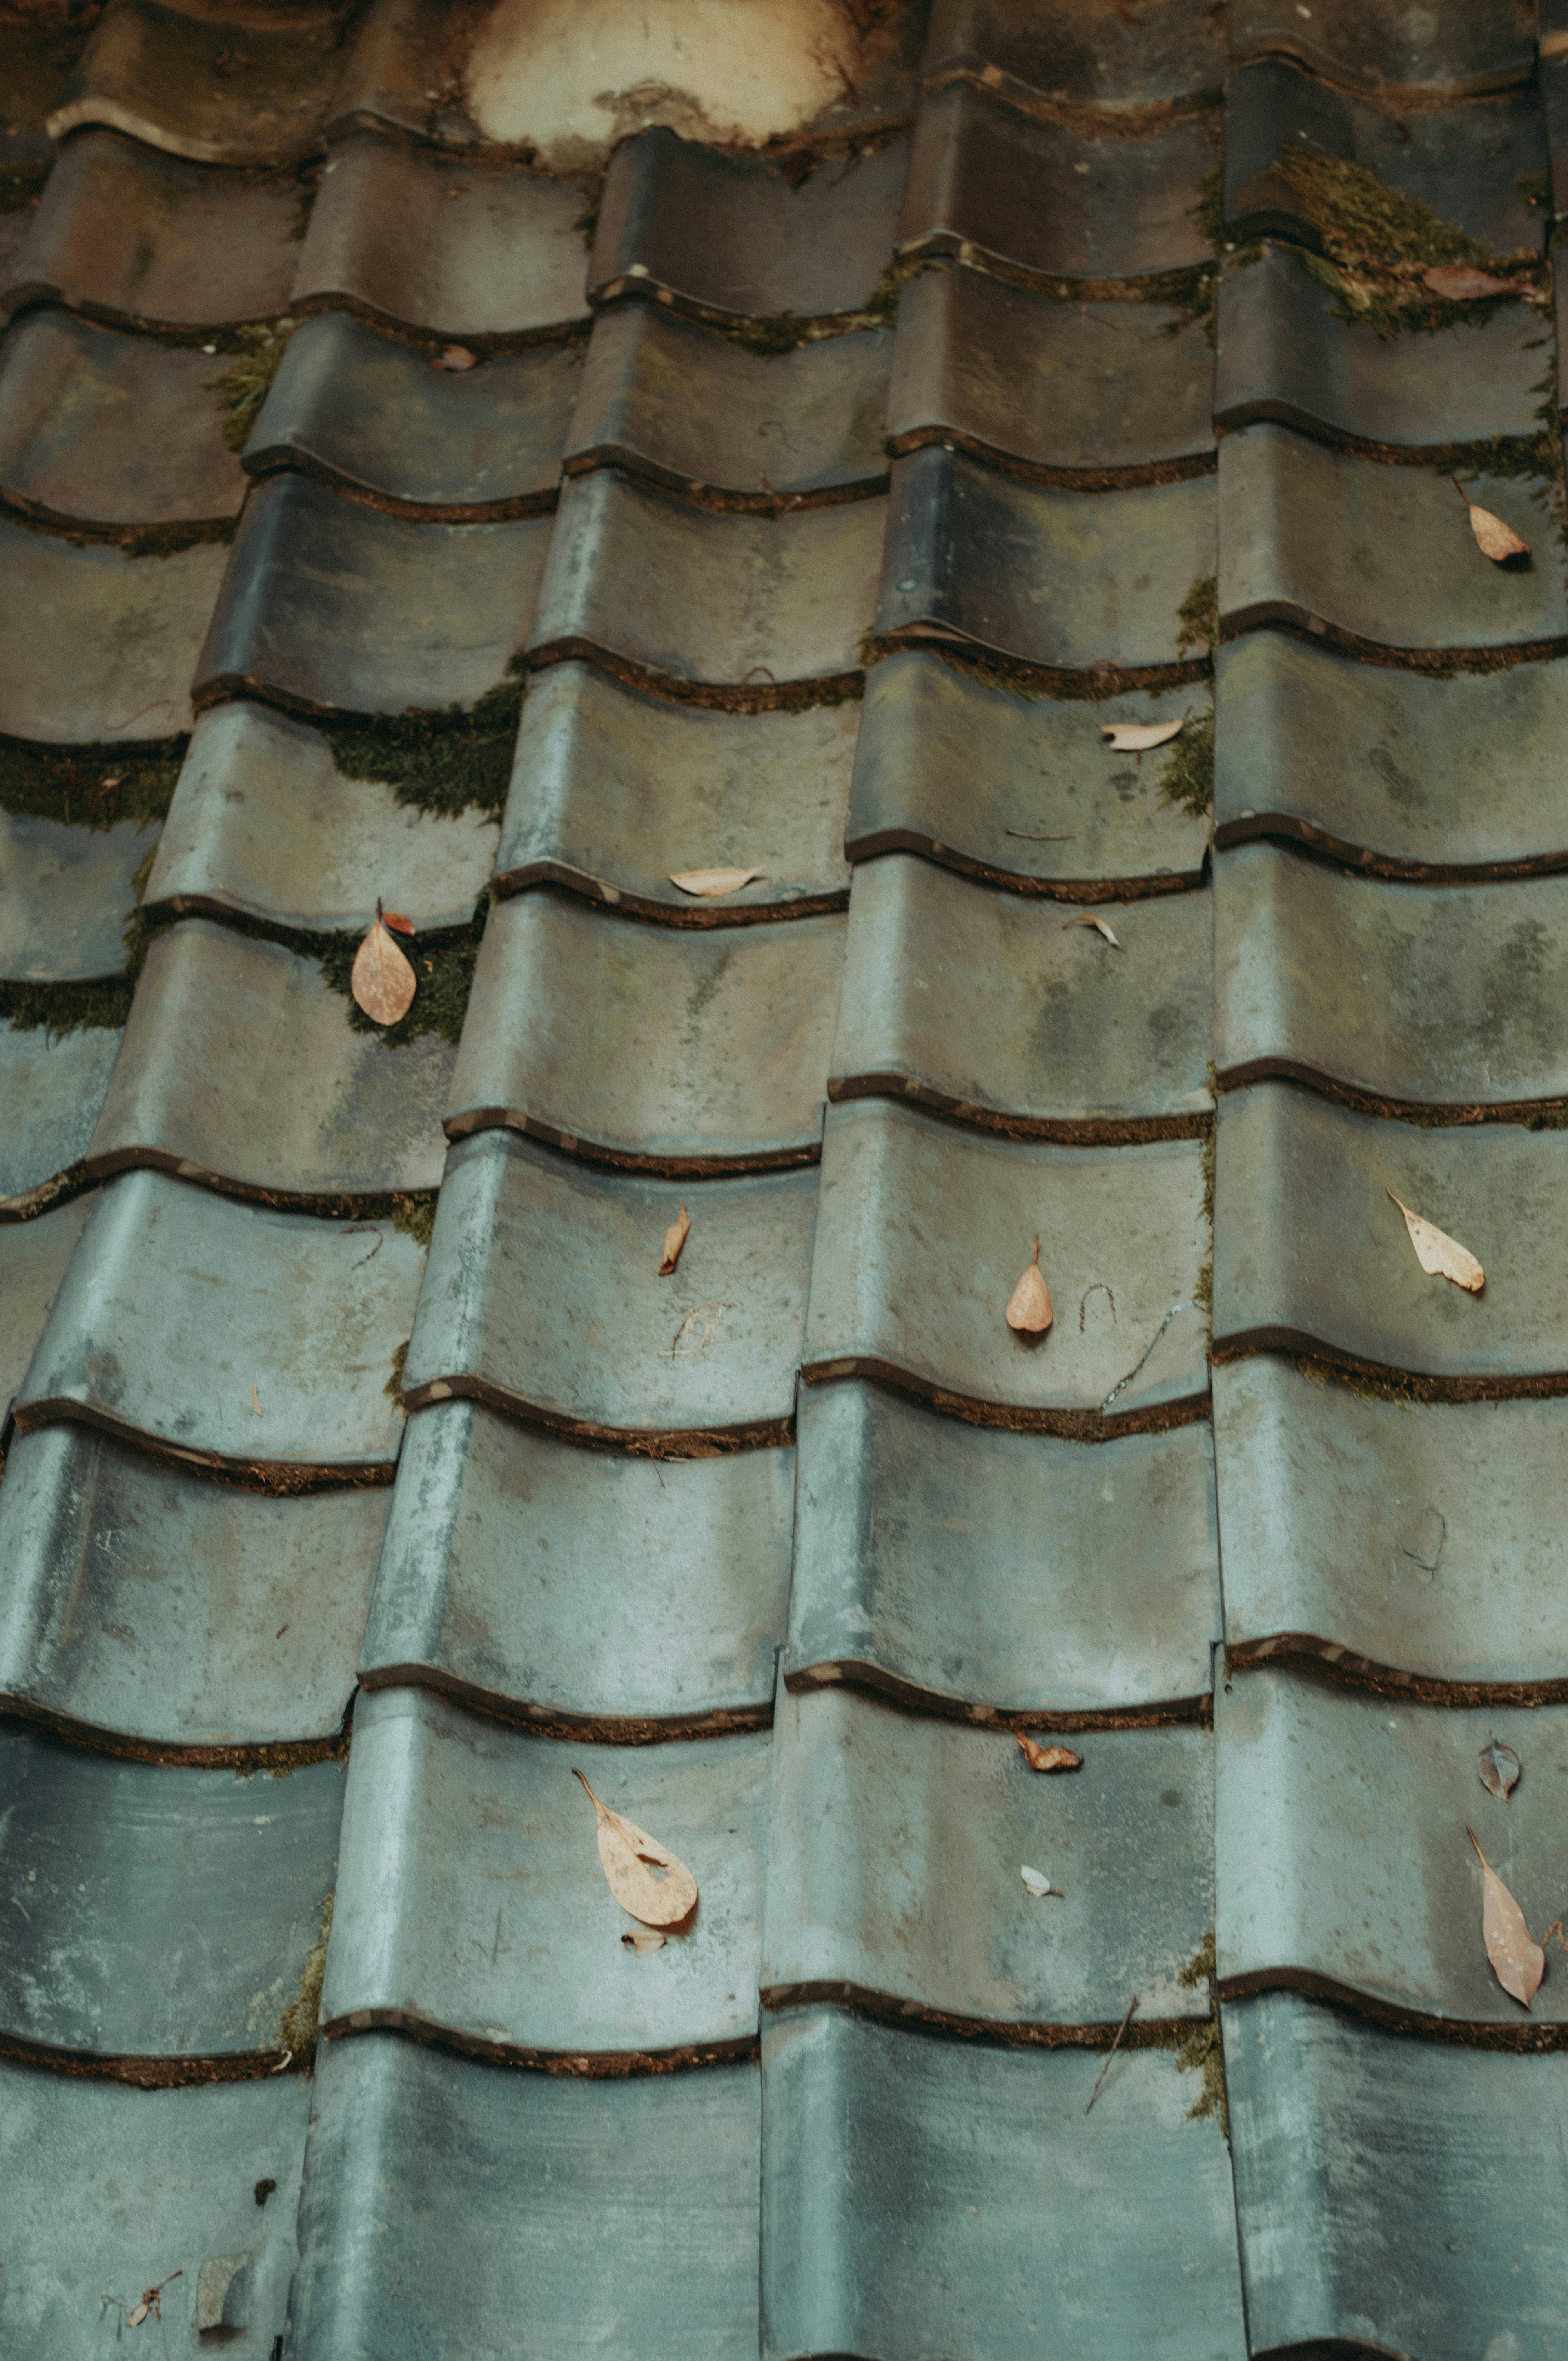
(1112, 2051)
(1029, 838)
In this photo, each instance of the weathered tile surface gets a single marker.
(925, 1229)
(372, 415)
(33, 1258)
(1342, 1862)
(1068, 580)
(243, 92)
(749, 602)
(446, 1810)
(112, 2190)
(729, 236)
(942, 1563)
(923, 2194)
(895, 1847)
(100, 644)
(1365, 2213)
(537, 1578)
(108, 429)
(1415, 1540)
(543, 1294)
(1395, 770)
(224, 1331)
(693, 409)
(1022, 790)
(264, 822)
(65, 897)
(1309, 1251)
(990, 1007)
(539, 2214)
(173, 1610)
(1084, 58)
(1468, 982)
(158, 1911)
(450, 247)
(1038, 198)
(1042, 387)
(1450, 47)
(125, 233)
(240, 1065)
(650, 1044)
(51, 1087)
(612, 790)
(1383, 555)
(330, 603)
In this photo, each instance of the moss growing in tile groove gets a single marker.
(446, 760)
(1197, 617)
(443, 971)
(296, 2026)
(1200, 2052)
(1186, 777)
(393, 1388)
(243, 386)
(91, 786)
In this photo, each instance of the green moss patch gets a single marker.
(243, 387)
(296, 2026)
(445, 762)
(1197, 617)
(443, 971)
(1200, 2052)
(89, 786)
(1186, 777)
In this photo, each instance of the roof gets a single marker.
(398, 512)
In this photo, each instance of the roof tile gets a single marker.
(1386, 48)
(33, 1258)
(1043, 49)
(65, 895)
(52, 1086)
(101, 646)
(242, 91)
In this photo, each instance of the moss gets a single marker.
(1204, 1287)
(1198, 617)
(443, 971)
(1200, 2053)
(89, 786)
(393, 1388)
(103, 1004)
(1356, 1382)
(445, 762)
(1207, 1168)
(587, 221)
(243, 386)
(414, 1215)
(1535, 188)
(296, 2026)
(1186, 779)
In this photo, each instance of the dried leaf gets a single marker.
(1461, 282)
(1048, 1758)
(1029, 1306)
(675, 1238)
(705, 883)
(136, 2315)
(1440, 1256)
(1499, 1767)
(1137, 737)
(255, 1401)
(1100, 926)
(630, 1858)
(1034, 1882)
(452, 357)
(382, 980)
(395, 918)
(1518, 1960)
(642, 1939)
(1495, 539)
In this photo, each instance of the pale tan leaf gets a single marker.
(382, 980)
(255, 1401)
(675, 1238)
(452, 357)
(1440, 1256)
(1100, 926)
(1461, 282)
(705, 883)
(1047, 1758)
(1518, 1960)
(645, 1878)
(138, 2312)
(1495, 539)
(1137, 737)
(1036, 1884)
(1029, 1305)
(1499, 1768)
(642, 1939)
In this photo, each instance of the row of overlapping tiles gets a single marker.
(708, 1059)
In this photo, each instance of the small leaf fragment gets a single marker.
(1047, 1758)
(1034, 1882)
(705, 884)
(136, 2315)
(1029, 1306)
(642, 1939)
(382, 980)
(675, 1238)
(1440, 1256)
(1495, 539)
(395, 918)
(452, 357)
(1518, 1960)
(1499, 1767)
(1137, 737)
(1461, 282)
(630, 1857)
(1100, 926)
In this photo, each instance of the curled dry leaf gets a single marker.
(1047, 1758)
(395, 919)
(1036, 1884)
(675, 1238)
(382, 980)
(1100, 926)
(452, 356)
(705, 883)
(137, 2313)
(1137, 737)
(1461, 282)
(630, 1858)
(642, 1939)
(1029, 1306)
(1440, 1256)
(1495, 539)
(1518, 1960)
(1499, 1767)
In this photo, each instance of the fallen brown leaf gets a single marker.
(1038, 1884)
(675, 1238)
(382, 980)
(1440, 1256)
(642, 1939)
(1499, 1767)
(1029, 1305)
(1461, 282)
(1100, 926)
(1047, 1758)
(631, 1856)
(1518, 1960)
(705, 883)
(396, 919)
(452, 357)
(1495, 539)
(1137, 737)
